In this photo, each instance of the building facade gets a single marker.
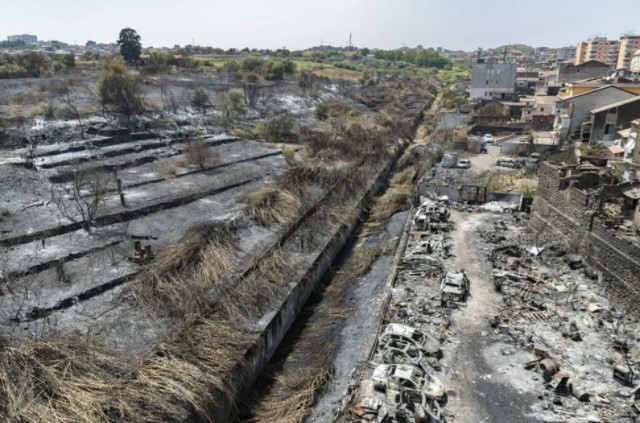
(493, 81)
(635, 62)
(566, 54)
(616, 53)
(568, 72)
(573, 112)
(26, 38)
(598, 49)
(628, 46)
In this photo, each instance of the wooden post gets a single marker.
(122, 200)
(137, 247)
(59, 266)
(119, 182)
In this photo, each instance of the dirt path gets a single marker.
(476, 392)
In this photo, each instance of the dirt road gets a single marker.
(479, 390)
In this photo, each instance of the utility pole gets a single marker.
(350, 45)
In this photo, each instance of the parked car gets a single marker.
(406, 377)
(397, 331)
(464, 164)
(454, 285)
(488, 139)
(508, 162)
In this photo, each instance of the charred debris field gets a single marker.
(215, 249)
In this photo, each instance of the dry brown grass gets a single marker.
(192, 374)
(386, 206)
(63, 381)
(169, 171)
(178, 277)
(252, 296)
(522, 181)
(272, 204)
(71, 381)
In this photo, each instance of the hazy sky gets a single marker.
(454, 24)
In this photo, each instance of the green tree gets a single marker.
(200, 99)
(130, 45)
(34, 62)
(119, 90)
(232, 106)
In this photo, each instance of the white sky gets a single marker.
(295, 24)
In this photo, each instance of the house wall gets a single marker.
(493, 80)
(569, 213)
(583, 105)
(621, 119)
(568, 72)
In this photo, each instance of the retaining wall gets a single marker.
(570, 213)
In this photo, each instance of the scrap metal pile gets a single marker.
(400, 382)
(583, 346)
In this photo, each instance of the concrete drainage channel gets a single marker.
(273, 326)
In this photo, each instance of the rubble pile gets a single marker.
(583, 350)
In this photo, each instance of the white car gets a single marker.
(454, 285)
(488, 139)
(464, 164)
(399, 332)
(404, 376)
(508, 162)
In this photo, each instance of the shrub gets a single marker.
(232, 106)
(253, 77)
(334, 109)
(198, 153)
(278, 129)
(252, 64)
(120, 90)
(200, 99)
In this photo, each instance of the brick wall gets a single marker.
(569, 212)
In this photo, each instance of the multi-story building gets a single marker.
(26, 38)
(493, 80)
(598, 49)
(617, 54)
(629, 44)
(635, 62)
(566, 54)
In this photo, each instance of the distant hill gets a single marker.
(513, 49)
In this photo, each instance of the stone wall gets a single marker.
(566, 204)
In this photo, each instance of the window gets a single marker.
(609, 129)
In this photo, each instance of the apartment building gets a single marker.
(635, 62)
(492, 80)
(598, 49)
(26, 38)
(616, 53)
(629, 44)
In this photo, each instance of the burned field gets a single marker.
(150, 275)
